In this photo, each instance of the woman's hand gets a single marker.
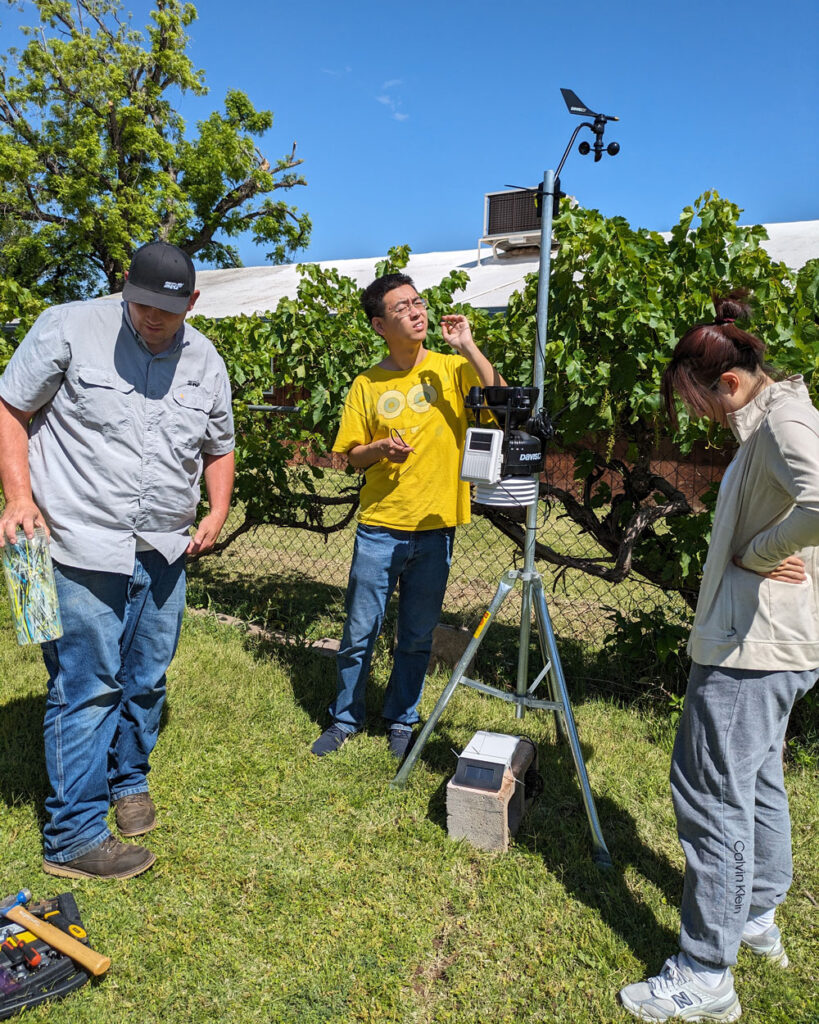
(789, 570)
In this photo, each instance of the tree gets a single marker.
(95, 160)
(619, 300)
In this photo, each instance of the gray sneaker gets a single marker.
(674, 995)
(111, 859)
(135, 814)
(768, 945)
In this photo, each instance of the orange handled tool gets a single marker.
(95, 962)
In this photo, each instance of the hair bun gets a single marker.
(733, 306)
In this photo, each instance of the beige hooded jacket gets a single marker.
(767, 509)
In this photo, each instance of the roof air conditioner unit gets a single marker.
(507, 213)
(510, 221)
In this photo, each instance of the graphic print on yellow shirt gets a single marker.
(425, 406)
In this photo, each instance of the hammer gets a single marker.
(12, 908)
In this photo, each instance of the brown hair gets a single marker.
(708, 350)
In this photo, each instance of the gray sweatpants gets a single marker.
(729, 797)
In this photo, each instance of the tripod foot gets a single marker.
(603, 860)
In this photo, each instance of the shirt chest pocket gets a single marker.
(104, 400)
(191, 412)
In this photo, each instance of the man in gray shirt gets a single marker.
(109, 415)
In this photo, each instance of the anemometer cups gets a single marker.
(585, 148)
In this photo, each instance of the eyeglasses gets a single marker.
(404, 308)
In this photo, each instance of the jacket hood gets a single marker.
(744, 421)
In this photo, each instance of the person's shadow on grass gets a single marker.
(23, 777)
(313, 676)
(22, 757)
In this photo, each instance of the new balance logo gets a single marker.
(682, 1000)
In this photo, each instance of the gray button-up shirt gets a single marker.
(116, 442)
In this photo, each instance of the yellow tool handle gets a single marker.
(83, 955)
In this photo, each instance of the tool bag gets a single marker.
(30, 970)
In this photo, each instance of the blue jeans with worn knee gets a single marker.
(420, 560)
(106, 689)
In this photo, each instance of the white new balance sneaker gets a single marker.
(675, 995)
(769, 945)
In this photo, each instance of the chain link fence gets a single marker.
(293, 581)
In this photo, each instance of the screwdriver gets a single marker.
(20, 952)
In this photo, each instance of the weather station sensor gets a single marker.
(484, 760)
(505, 462)
(504, 459)
(483, 456)
(494, 784)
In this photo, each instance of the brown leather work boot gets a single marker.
(135, 814)
(111, 859)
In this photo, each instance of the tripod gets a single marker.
(532, 597)
(552, 670)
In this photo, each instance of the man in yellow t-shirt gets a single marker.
(404, 423)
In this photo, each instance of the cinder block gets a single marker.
(489, 819)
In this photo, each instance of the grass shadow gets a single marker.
(303, 608)
(23, 776)
(557, 829)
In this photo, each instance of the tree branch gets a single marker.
(313, 523)
(600, 567)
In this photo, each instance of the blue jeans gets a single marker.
(420, 560)
(106, 689)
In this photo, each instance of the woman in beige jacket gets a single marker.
(755, 650)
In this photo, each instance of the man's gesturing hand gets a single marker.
(393, 448)
(456, 331)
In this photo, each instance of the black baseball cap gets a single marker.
(161, 275)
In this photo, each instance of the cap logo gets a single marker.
(161, 275)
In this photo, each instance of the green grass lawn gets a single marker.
(292, 889)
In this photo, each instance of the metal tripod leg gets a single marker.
(558, 702)
(504, 587)
(558, 692)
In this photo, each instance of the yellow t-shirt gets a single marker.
(425, 405)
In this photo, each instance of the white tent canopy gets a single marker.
(491, 281)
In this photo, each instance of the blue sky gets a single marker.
(406, 114)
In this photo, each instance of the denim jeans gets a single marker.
(106, 689)
(381, 558)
